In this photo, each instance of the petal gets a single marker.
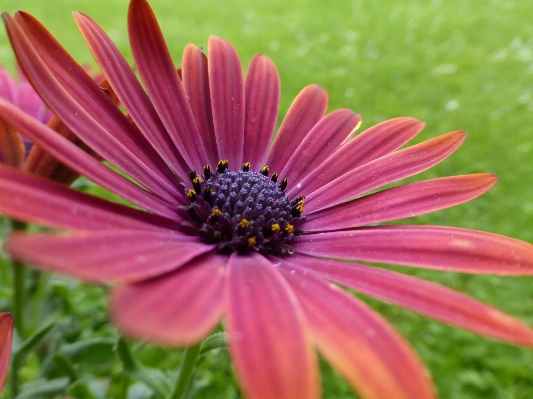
(321, 141)
(262, 90)
(6, 338)
(304, 113)
(432, 247)
(40, 162)
(161, 80)
(130, 92)
(384, 170)
(80, 161)
(373, 143)
(421, 296)
(196, 84)
(35, 199)
(100, 256)
(401, 202)
(227, 100)
(269, 343)
(12, 150)
(176, 309)
(375, 360)
(83, 106)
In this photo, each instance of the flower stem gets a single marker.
(18, 301)
(186, 370)
(19, 279)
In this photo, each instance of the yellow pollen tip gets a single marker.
(244, 223)
(289, 228)
(251, 242)
(275, 228)
(216, 212)
(191, 193)
(197, 179)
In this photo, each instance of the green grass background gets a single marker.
(457, 65)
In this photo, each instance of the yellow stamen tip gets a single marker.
(251, 242)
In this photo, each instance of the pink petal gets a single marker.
(107, 255)
(384, 170)
(6, 338)
(77, 159)
(196, 84)
(431, 247)
(262, 106)
(130, 92)
(161, 80)
(304, 113)
(430, 299)
(84, 107)
(35, 199)
(176, 309)
(375, 360)
(321, 141)
(373, 143)
(269, 343)
(227, 100)
(401, 202)
(12, 150)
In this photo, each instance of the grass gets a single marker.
(455, 65)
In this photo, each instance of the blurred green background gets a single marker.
(457, 65)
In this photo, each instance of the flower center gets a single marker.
(243, 211)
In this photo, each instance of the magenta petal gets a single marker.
(35, 199)
(384, 170)
(365, 349)
(262, 106)
(195, 78)
(373, 143)
(84, 107)
(432, 247)
(77, 159)
(161, 80)
(304, 113)
(130, 92)
(321, 141)
(401, 202)
(269, 341)
(227, 100)
(107, 255)
(430, 299)
(179, 308)
(6, 338)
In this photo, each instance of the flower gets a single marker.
(234, 228)
(6, 337)
(16, 149)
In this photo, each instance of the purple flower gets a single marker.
(227, 226)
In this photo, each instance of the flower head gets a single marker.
(234, 228)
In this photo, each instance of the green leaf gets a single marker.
(89, 350)
(214, 341)
(153, 378)
(33, 340)
(43, 387)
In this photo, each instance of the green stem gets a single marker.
(186, 370)
(18, 301)
(14, 376)
(19, 279)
